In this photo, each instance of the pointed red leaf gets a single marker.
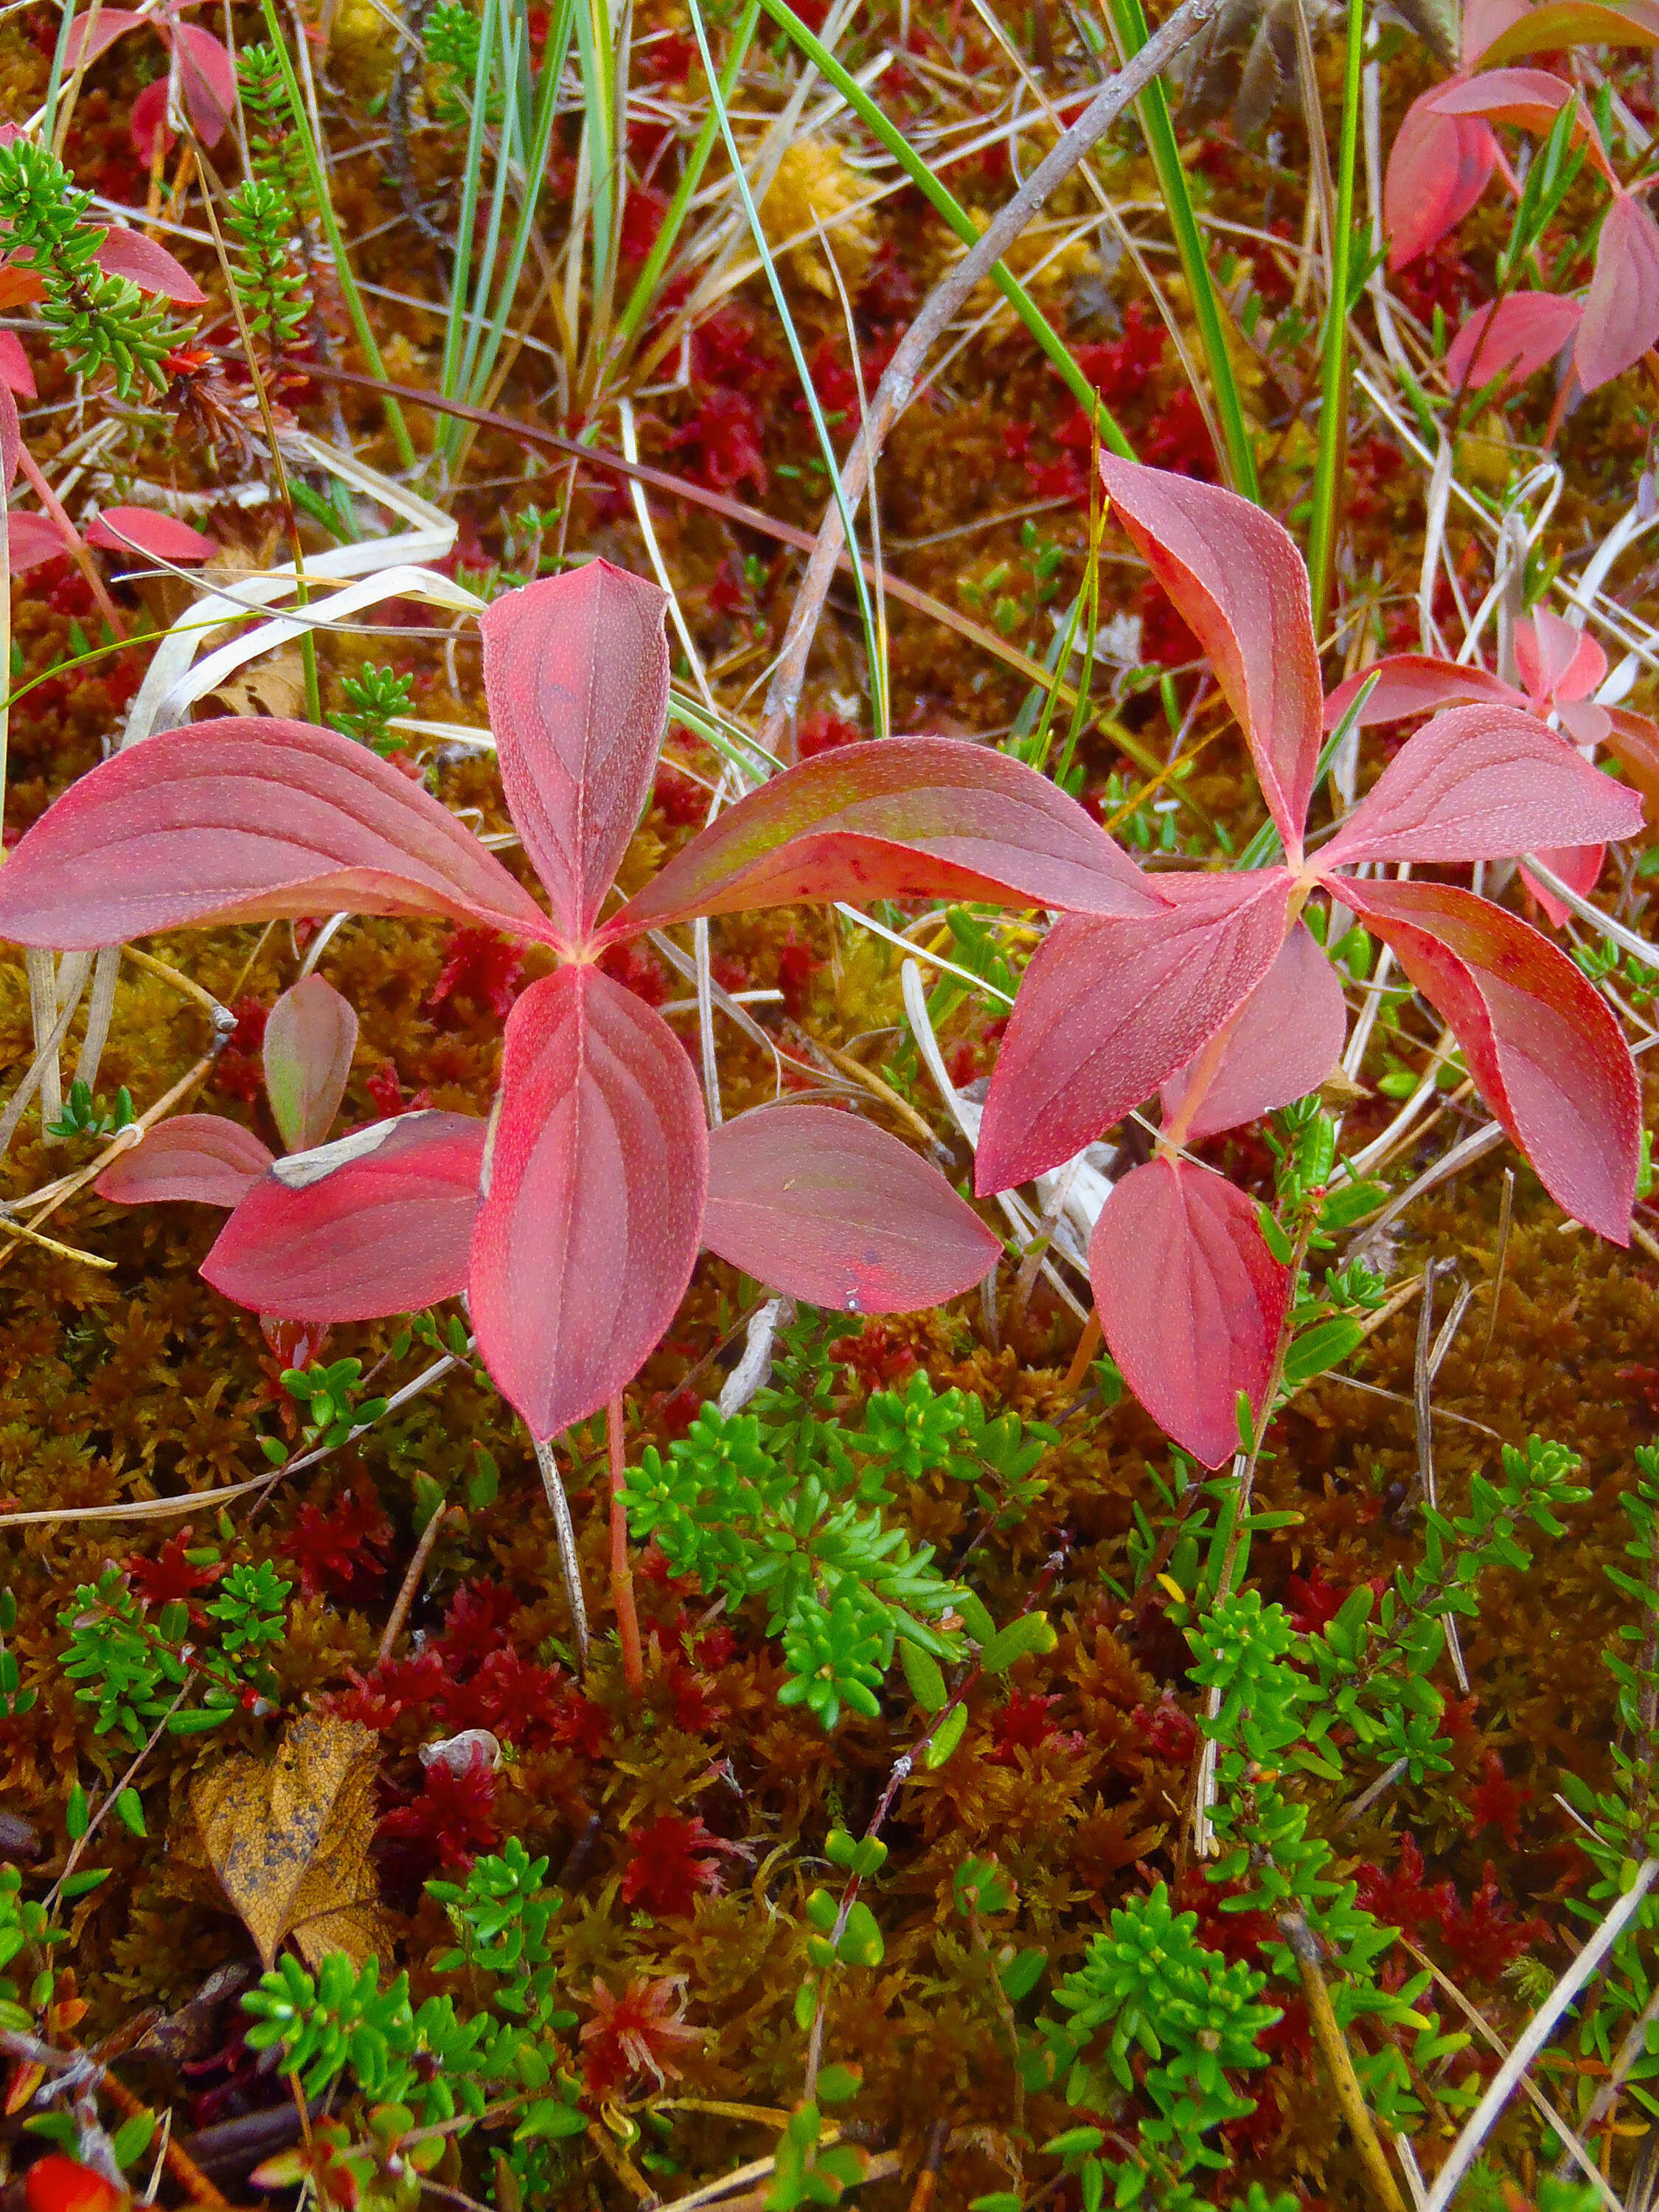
(576, 674)
(826, 1208)
(593, 1201)
(1240, 585)
(32, 538)
(1557, 661)
(200, 1157)
(16, 371)
(1578, 865)
(1518, 335)
(148, 122)
(1409, 683)
(1482, 783)
(1485, 21)
(1621, 312)
(1560, 23)
(1438, 166)
(1190, 1301)
(1282, 1043)
(1633, 741)
(111, 24)
(246, 820)
(1544, 1051)
(206, 81)
(1527, 97)
(1109, 1009)
(896, 818)
(377, 1222)
(140, 530)
(308, 1043)
(151, 267)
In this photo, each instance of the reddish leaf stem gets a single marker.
(622, 1574)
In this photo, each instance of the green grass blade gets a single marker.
(638, 305)
(461, 272)
(1153, 110)
(1333, 364)
(944, 204)
(318, 178)
(465, 380)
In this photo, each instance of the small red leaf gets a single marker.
(1482, 783)
(32, 538)
(207, 80)
(1556, 661)
(110, 24)
(58, 2184)
(1438, 166)
(896, 818)
(829, 1208)
(1560, 23)
(140, 530)
(1240, 585)
(593, 1203)
(148, 121)
(1109, 1009)
(1621, 311)
(16, 371)
(309, 1040)
(1530, 98)
(1518, 336)
(377, 1222)
(1190, 1301)
(1633, 741)
(1578, 865)
(151, 267)
(576, 675)
(1545, 1052)
(1409, 683)
(1282, 1043)
(202, 1159)
(246, 820)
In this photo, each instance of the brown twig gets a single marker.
(411, 1582)
(622, 1574)
(177, 2160)
(894, 393)
(1328, 2035)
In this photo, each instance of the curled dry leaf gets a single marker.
(290, 1837)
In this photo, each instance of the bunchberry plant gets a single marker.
(92, 278)
(1222, 1000)
(573, 1223)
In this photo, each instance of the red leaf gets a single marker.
(896, 818)
(112, 23)
(199, 1158)
(1190, 1301)
(16, 371)
(377, 1222)
(1578, 865)
(1545, 1052)
(151, 267)
(594, 1203)
(1558, 23)
(576, 674)
(1282, 1043)
(1410, 683)
(1556, 661)
(206, 81)
(32, 538)
(1621, 310)
(139, 530)
(246, 820)
(1482, 783)
(830, 1209)
(1239, 584)
(148, 121)
(309, 1039)
(11, 445)
(1109, 1009)
(1633, 741)
(1520, 334)
(1530, 98)
(1438, 166)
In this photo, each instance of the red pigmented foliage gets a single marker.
(637, 2032)
(58, 2184)
(1022, 1724)
(1485, 1937)
(1496, 1802)
(890, 293)
(1170, 1732)
(672, 1861)
(386, 1092)
(475, 1623)
(639, 971)
(1178, 438)
(1164, 638)
(797, 964)
(238, 1072)
(448, 1822)
(338, 1550)
(169, 1578)
(682, 801)
(642, 219)
(822, 732)
(1402, 1899)
(875, 1355)
(723, 445)
(687, 1695)
(379, 1699)
(481, 967)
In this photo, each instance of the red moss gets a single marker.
(1402, 1899)
(479, 966)
(671, 1861)
(635, 2033)
(170, 1579)
(238, 1072)
(451, 1819)
(1495, 1801)
(340, 1550)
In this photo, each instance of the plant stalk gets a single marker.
(1334, 367)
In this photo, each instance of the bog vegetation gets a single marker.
(826, 959)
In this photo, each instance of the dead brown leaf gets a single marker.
(289, 1839)
(274, 685)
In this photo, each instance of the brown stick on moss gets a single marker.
(1334, 2050)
